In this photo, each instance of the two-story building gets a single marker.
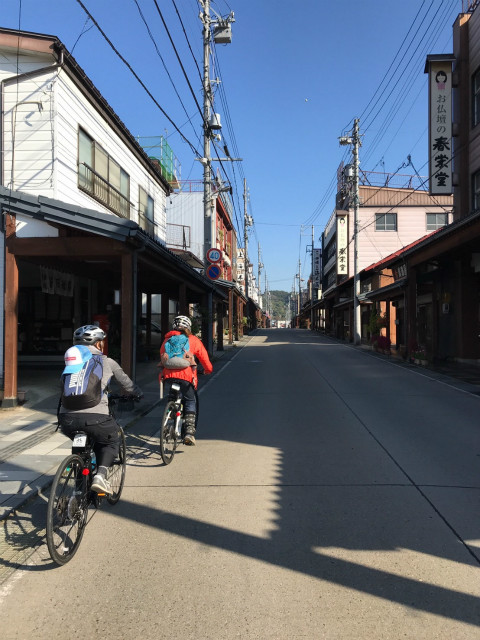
(394, 211)
(185, 237)
(84, 214)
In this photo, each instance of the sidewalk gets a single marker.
(31, 449)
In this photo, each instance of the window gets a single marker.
(476, 98)
(476, 191)
(145, 211)
(101, 176)
(436, 221)
(385, 222)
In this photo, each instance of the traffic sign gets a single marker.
(214, 255)
(213, 271)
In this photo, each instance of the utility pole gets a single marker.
(313, 269)
(247, 222)
(222, 34)
(357, 338)
(260, 267)
(207, 168)
(299, 290)
(354, 141)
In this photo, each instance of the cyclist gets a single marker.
(97, 421)
(187, 375)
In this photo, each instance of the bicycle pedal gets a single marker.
(101, 495)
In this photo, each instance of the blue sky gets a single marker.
(292, 81)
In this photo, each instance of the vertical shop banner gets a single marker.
(317, 268)
(440, 127)
(342, 245)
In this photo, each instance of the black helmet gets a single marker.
(88, 334)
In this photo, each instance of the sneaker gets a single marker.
(101, 485)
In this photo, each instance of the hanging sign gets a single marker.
(214, 255)
(56, 282)
(440, 124)
(342, 245)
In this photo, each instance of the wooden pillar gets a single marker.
(165, 320)
(182, 300)
(240, 317)
(411, 310)
(11, 319)
(128, 299)
(148, 320)
(231, 311)
(220, 326)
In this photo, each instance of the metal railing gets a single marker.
(178, 235)
(93, 183)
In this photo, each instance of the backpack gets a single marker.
(83, 389)
(176, 346)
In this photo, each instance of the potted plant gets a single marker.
(383, 344)
(420, 356)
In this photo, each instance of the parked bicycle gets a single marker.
(71, 494)
(172, 430)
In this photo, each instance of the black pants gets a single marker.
(103, 429)
(188, 393)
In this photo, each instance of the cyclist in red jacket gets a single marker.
(186, 376)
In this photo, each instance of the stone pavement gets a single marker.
(30, 447)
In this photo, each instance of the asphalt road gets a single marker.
(332, 494)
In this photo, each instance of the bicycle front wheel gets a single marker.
(116, 473)
(168, 442)
(67, 510)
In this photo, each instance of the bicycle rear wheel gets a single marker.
(67, 510)
(116, 473)
(168, 442)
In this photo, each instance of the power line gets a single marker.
(164, 64)
(178, 57)
(142, 84)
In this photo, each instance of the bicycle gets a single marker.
(172, 430)
(71, 494)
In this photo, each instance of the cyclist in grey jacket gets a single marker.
(97, 421)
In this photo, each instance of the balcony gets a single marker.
(178, 235)
(105, 193)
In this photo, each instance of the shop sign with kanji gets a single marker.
(440, 134)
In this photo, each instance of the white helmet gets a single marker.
(182, 322)
(88, 334)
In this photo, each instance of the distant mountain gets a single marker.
(279, 304)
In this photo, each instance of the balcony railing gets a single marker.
(178, 235)
(93, 183)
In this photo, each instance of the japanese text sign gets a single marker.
(440, 127)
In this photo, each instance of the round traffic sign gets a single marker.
(214, 255)
(213, 271)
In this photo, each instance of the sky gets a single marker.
(293, 79)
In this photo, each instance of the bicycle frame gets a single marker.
(176, 395)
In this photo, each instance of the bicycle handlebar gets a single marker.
(116, 396)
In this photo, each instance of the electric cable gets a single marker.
(189, 119)
(139, 80)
